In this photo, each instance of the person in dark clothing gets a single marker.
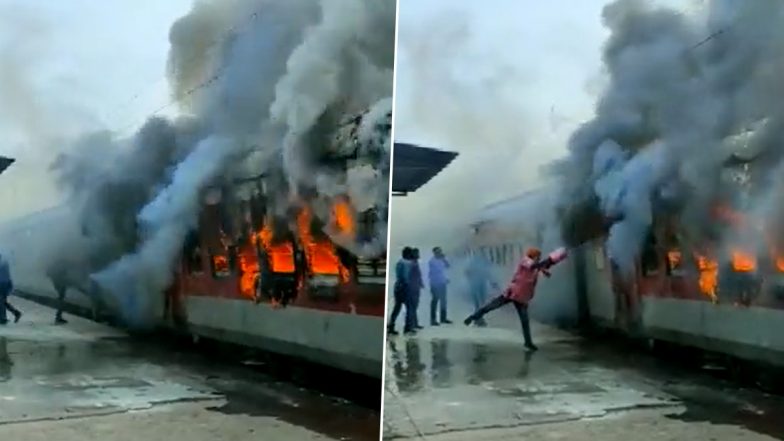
(416, 284)
(401, 293)
(6, 287)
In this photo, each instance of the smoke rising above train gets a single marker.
(263, 86)
(686, 95)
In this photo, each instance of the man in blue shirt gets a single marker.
(6, 287)
(437, 276)
(402, 293)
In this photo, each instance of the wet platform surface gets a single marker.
(87, 381)
(460, 383)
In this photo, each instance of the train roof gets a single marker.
(414, 166)
(516, 208)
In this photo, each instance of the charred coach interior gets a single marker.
(731, 255)
(243, 249)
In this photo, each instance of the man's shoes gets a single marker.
(17, 316)
(446, 322)
(60, 321)
(468, 321)
(417, 327)
(433, 323)
(4, 322)
(531, 347)
(409, 332)
(391, 331)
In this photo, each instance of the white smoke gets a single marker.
(265, 85)
(681, 87)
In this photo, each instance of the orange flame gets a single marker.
(709, 271)
(674, 257)
(320, 253)
(343, 215)
(281, 255)
(743, 262)
(249, 266)
(776, 256)
(221, 264)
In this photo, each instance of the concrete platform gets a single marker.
(84, 381)
(459, 383)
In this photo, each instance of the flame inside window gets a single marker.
(709, 272)
(743, 262)
(250, 270)
(281, 255)
(221, 265)
(320, 252)
(674, 258)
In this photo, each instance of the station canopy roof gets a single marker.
(5, 162)
(414, 166)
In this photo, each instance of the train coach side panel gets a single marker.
(746, 332)
(346, 341)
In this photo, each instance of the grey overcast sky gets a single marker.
(502, 82)
(69, 66)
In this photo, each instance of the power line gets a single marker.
(232, 32)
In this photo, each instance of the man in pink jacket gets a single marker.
(521, 289)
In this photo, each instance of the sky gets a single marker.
(501, 82)
(69, 67)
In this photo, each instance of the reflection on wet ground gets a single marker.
(49, 374)
(459, 379)
(452, 362)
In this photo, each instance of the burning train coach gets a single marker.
(251, 275)
(718, 287)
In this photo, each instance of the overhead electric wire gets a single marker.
(232, 32)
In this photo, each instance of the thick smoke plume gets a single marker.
(682, 90)
(263, 87)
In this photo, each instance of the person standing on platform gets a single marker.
(402, 292)
(6, 287)
(437, 268)
(416, 286)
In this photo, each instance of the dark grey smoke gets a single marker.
(681, 87)
(266, 85)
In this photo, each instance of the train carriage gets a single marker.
(246, 275)
(682, 290)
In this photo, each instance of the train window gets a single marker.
(220, 265)
(674, 262)
(650, 256)
(192, 254)
(224, 263)
(674, 257)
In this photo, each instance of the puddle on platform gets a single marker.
(442, 363)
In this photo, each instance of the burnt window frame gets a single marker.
(650, 255)
(230, 272)
(193, 252)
